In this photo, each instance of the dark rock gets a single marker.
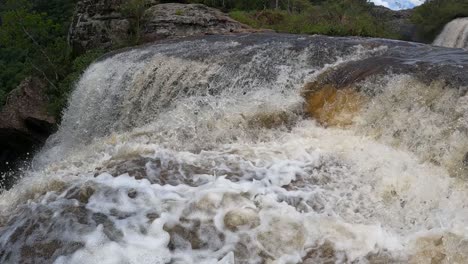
(101, 24)
(38, 239)
(47, 249)
(426, 63)
(132, 193)
(120, 215)
(184, 238)
(152, 216)
(25, 123)
(399, 21)
(350, 73)
(156, 171)
(194, 234)
(81, 194)
(109, 228)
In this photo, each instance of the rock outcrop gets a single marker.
(24, 121)
(399, 21)
(98, 24)
(101, 24)
(177, 20)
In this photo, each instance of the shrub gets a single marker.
(336, 17)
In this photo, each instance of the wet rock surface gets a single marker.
(435, 65)
(25, 123)
(35, 238)
(307, 194)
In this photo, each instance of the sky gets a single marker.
(398, 4)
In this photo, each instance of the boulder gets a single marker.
(98, 24)
(179, 20)
(101, 24)
(24, 121)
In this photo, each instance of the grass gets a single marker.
(311, 23)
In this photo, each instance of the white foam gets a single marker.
(299, 187)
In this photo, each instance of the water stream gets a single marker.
(454, 35)
(201, 151)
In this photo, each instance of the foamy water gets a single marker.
(170, 155)
(454, 34)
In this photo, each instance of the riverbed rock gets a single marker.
(241, 217)
(337, 93)
(194, 234)
(102, 24)
(24, 121)
(282, 236)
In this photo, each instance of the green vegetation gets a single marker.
(135, 9)
(33, 42)
(30, 42)
(432, 16)
(331, 17)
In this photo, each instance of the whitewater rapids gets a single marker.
(454, 34)
(200, 151)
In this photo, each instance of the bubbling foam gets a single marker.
(169, 155)
(428, 120)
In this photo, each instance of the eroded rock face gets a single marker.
(98, 24)
(24, 121)
(399, 21)
(101, 24)
(177, 20)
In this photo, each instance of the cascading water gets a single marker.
(200, 151)
(454, 35)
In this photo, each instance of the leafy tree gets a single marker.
(135, 9)
(30, 44)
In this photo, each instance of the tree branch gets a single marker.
(38, 45)
(43, 74)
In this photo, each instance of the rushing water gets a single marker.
(454, 35)
(200, 151)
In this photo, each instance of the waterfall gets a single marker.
(258, 148)
(454, 35)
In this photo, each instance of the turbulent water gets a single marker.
(454, 35)
(200, 151)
